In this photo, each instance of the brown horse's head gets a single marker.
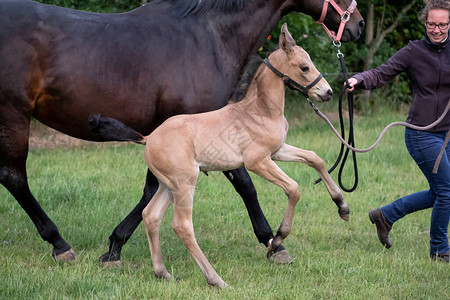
(333, 12)
(294, 62)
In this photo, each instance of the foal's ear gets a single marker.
(287, 42)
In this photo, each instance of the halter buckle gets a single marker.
(345, 16)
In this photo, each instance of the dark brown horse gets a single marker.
(59, 65)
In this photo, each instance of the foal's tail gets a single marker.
(113, 130)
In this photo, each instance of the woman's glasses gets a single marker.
(432, 26)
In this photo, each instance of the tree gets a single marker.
(374, 38)
(377, 29)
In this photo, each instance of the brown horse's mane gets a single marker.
(184, 8)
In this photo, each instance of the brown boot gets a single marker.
(442, 257)
(383, 227)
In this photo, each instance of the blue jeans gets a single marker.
(424, 147)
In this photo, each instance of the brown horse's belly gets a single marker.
(70, 115)
(68, 119)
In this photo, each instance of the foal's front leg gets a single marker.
(268, 169)
(290, 153)
(241, 181)
(244, 186)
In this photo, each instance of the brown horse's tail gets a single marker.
(113, 130)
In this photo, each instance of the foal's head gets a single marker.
(294, 61)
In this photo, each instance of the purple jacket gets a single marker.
(428, 68)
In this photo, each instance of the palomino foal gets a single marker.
(250, 132)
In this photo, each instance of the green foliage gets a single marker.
(397, 92)
(409, 28)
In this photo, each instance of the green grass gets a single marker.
(88, 191)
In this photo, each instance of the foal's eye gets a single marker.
(304, 69)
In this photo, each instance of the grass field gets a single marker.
(88, 190)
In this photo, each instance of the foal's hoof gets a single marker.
(280, 258)
(163, 274)
(110, 260)
(224, 286)
(66, 256)
(220, 284)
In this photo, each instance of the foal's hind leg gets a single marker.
(14, 130)
(290, 153)
(153, 215)
(183, 227)
(182, 185)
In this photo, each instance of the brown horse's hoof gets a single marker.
(67, 256)
(345, 215)
(281, 257)
(111, 264)
(106, 260)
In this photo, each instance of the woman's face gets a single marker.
(437, 24)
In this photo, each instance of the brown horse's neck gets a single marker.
(251, 27)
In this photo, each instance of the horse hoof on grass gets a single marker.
(220, 284)
(345, 215)
(108, 260)
(281, 257)
(66, 256)
(164, 275)
(225, 286)
(111, 263)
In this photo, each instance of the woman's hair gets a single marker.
(433, 4)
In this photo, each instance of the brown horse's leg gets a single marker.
(268, 169)
(152, 216)
(13, 155)
(241, 181)
(290, 153)
(125, 229)
(244, 186)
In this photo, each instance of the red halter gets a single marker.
(345, 17)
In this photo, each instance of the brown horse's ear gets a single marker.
(287, 42)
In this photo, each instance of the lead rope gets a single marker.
(436, 165)
(438, 160)
(350, 145)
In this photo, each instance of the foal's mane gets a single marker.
(185, 8)
(246, 79)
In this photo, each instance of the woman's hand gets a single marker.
(352, 82)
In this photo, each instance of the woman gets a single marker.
(427, 64)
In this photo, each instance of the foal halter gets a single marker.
(292, 84)
(345, 17)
